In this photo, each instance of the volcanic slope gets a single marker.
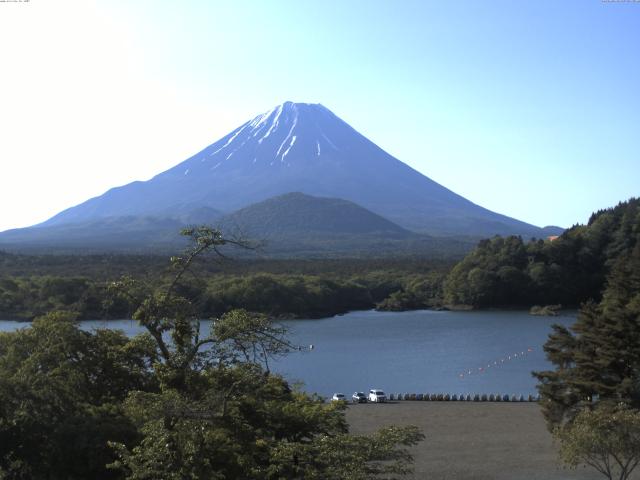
(299, 147)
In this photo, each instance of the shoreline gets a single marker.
(289, 317)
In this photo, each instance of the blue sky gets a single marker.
(531, 109)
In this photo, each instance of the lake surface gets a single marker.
(416, 352)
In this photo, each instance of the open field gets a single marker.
(480, 441)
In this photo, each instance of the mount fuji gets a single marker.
(295, 147)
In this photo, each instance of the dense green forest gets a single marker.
(591, 395)
(600, 354)
(33, 285)
(568, 270)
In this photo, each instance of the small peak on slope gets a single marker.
(303, 214)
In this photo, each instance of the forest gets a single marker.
(30, 286)
(506, 272)
(509, 272)
(591, 395)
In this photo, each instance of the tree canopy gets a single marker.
(607, 439)
(591, 399)
(599, 356)
(33, 286)
(174, 403)
(568, 270)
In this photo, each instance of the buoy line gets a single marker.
(495, 363)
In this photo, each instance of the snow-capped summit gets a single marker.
(299, 147)
(286, 134)
(276, 137)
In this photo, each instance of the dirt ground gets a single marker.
(468, 440)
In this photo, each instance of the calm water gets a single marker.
(416, 352)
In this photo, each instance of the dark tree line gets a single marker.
(568, 270)
(591, 397)
(599, 356)
(321, 292)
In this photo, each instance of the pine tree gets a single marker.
(600, 356)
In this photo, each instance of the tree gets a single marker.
(591, 400)
(177, 402)
(607, 439)
(341, 456)
(220, 412)
(61, 391)
(570, 270)
(600, 355)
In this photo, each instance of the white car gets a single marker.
(338, 397)
(376, 395)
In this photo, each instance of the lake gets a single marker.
(416, 352)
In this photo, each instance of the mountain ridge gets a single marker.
(293, 225)
(307, 148)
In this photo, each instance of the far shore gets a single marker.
(286, 317)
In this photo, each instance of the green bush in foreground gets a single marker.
(607, 439)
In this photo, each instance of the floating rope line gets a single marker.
(495, 363)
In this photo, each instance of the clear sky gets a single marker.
(531, 109)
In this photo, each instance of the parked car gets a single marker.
(338, 397)
(359, 397)
(377, 395)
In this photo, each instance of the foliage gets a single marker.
(591, 399)
(61, 390)
(568, 271)
(415, 292)
(340, 456)
(178, 402)
(220, 413)
(287, 295)
(302, 289)
(600, 354)
(606, 438)
(34, 296)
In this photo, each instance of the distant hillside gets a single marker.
(131, 234)
(299, 225)
(115, 234)
(296, 215)
(294, 225)
(191, 214)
